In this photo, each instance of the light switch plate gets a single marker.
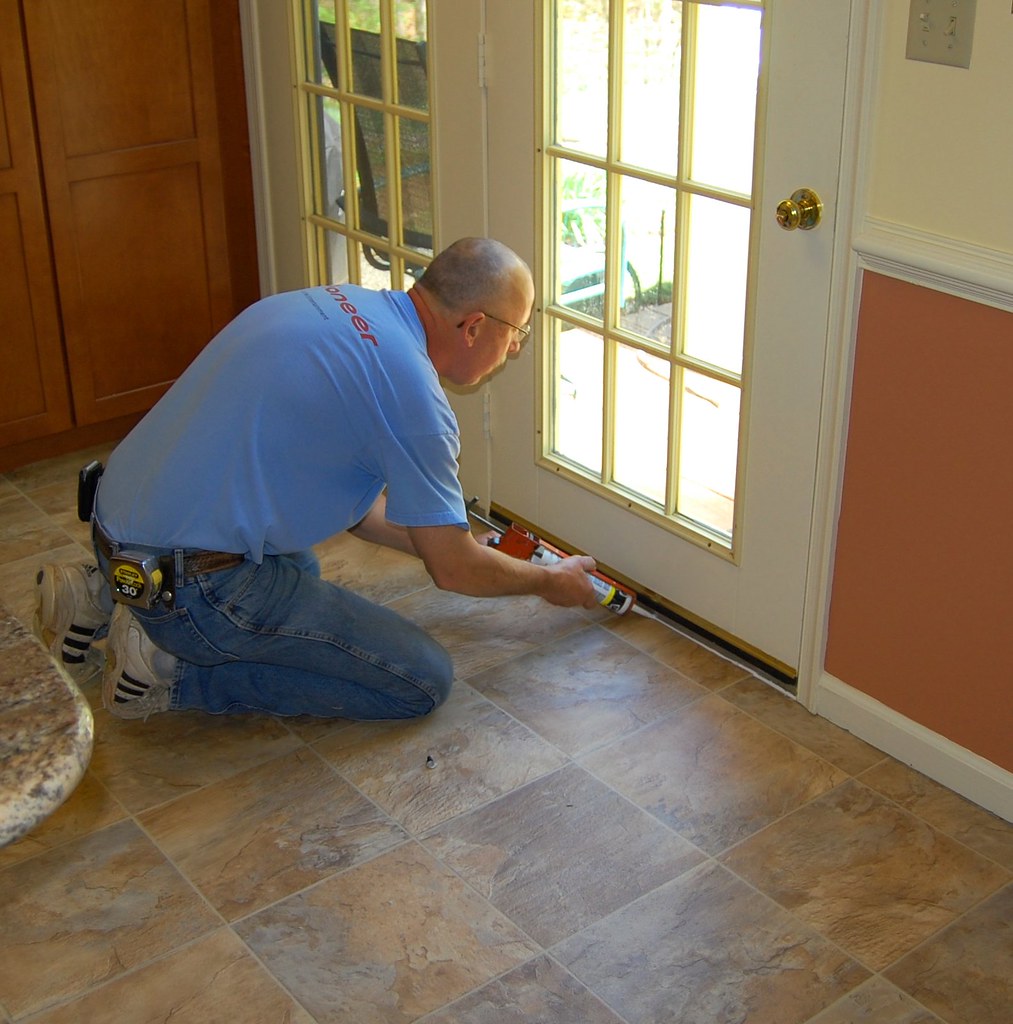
(941, 31)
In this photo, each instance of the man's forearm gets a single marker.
(457, 562)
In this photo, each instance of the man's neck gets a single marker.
(430, 324)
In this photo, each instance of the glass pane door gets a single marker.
(648, 178)
(365, 91)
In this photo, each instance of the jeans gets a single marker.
(276, 638)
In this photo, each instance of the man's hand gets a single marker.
(574, 588)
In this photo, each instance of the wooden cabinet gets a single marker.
(34, 397)
(126, 212)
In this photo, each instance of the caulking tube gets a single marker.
(520, 543)
(609, 596)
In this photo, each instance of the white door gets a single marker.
(745, 576)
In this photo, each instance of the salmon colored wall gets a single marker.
(921, 612)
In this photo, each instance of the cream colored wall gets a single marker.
(942, 137)
(933, 215)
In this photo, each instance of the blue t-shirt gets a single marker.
(287, 427)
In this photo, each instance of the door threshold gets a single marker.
(766, 668)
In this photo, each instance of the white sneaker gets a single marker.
(69, 610)
(131, 686)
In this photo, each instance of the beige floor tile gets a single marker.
(538, 991)
(965, 973)
(213, 981)
(377, 573)
(148, 763)
(59, 469)
(24, 532)
(876, 1002)
(87, 912)
(677, 650)
(706, 948)
(89, 808)
(790, 718)
(59, 502)
(975, 827)
(586, 689)
(57, 499)
(713, 773)
(269, 831)
(561, 853)
(309, 728)
(872, 877)
(480, 633)
(478, 754)
(385, 942)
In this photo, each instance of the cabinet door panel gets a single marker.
(129, 133)
(34, 400)
(150, 318)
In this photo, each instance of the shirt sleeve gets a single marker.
(422, 483)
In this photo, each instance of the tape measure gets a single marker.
(135, 578)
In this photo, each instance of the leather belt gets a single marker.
(193, 563)
(210, 561)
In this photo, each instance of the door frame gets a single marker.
(842, 326)
(461, 154)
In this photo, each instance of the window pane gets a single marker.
(580, 237)
(412, 56)
(332, 184)
(367, 76)
(718, 263)
(410, 20)
(641, 431)
(581, 64)
(724, 97)
(374, 267)
(370, 166)
(323, 61)
(416, 185)
(578, 396)
(363, 14)
(647, 250)
(652, 52)
(335, 254)
(708, 449)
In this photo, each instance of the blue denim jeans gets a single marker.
(276, 638)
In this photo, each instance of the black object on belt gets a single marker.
(193, 563)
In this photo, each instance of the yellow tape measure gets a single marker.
(135, 578)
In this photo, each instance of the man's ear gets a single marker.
(470, 327)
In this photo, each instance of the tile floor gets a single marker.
(616, 826)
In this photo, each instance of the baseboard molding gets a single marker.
(934, 261)
(955, 767)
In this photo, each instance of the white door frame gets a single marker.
(841, 329)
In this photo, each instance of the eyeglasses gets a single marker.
(522, 331)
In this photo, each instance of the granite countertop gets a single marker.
(46, 731)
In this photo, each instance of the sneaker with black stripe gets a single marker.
(132, 687)
(69, 611)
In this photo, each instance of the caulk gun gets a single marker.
(520, 543)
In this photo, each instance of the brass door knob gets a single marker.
(802, 211)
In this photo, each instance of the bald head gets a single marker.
(473, 301)
(473, 273)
